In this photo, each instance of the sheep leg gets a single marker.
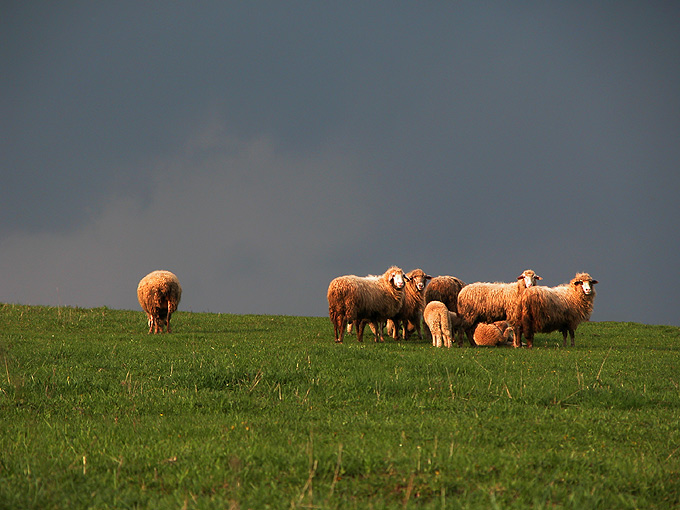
(339, 324)
(378, 331)
(517, 339)
(469, 332)
(447, 338)
(392, 328)
(571, 334)
(359, 326)
(342, 324)
(521, 327)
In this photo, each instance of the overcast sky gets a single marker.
(260, 149)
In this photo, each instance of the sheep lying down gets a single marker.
(498, 333)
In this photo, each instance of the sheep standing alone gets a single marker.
(362, 300)
(495, 333)
(490, 302)
(548, 309)
(159, 293)
(441, 322)
(411, 313)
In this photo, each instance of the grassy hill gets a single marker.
(234, 411)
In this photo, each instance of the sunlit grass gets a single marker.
(234, 411)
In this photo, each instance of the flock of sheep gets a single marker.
(486, 313)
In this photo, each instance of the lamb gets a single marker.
(490, 302)
(411, 313)
(548, 309)
(441, 322)
(495, 333)
(159, 294)
(364, 300)
(444, 289)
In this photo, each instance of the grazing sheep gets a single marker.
(495, 333)
(446, 290)
(489, 302)
(362, 300)
(548, 309)
(159, 293)
(411, 313)
(441, 322)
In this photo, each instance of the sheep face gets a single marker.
(529, 278)
(418, 279)
(585, 282)
(421, 281)
(398, 279)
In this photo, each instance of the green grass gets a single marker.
(234, 411)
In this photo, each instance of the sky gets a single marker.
(260, 149)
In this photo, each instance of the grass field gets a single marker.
(241, 412)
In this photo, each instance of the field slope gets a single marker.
(233, 411)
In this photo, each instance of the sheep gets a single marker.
(441, 322)
(411, 312)
(489, 302)
(492, 334)
(159, 293)
(446, 290)
(548, 309)
(362, 300)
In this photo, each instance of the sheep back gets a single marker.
(491, 302)
(445, 289)
(438, 319)
(159, 294)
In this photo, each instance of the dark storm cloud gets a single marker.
(260, 149)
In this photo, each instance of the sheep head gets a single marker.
(419, 279)
(585, 282)
(529, 278)
(396, 277)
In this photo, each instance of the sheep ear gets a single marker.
(428, 277)
(539, 277)
(520, 277)
(594, 282)
(578, 283)
(407, 278)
